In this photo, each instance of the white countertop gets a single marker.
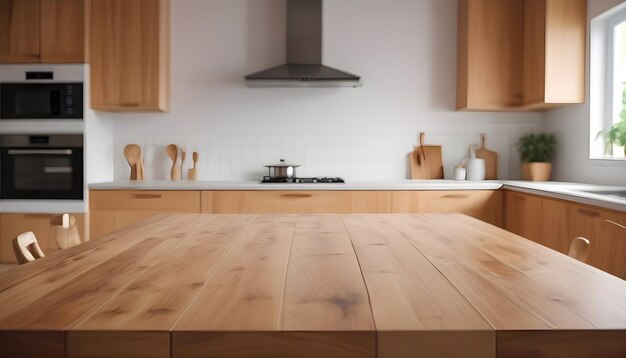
(255, 185)
(566, 191)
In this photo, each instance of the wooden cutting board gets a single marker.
(491, 159)
(425, 161)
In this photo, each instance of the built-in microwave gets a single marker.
(41, 100)
(41, 167)
(41, 92)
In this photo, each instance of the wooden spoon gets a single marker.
(172, 152)
(132, 152)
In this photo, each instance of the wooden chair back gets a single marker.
(579, 249)
(65, 230)
(27, 248)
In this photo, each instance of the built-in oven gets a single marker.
(41, 167)
(41, 92)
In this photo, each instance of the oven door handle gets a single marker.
(40, 151)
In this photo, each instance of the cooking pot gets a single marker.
(282, 170)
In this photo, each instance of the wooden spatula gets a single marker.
(192, 174)
(490, 157)
(172, 152)
(132, 152)
(140, 166)
(183, 156)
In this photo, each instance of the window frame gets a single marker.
(611, 23)
(601, 80)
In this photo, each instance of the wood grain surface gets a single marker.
(315, 285)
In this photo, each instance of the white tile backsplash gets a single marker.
(404, 49)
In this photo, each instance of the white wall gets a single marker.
(404, 49)
(571, 125)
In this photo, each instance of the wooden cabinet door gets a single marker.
(523, 215)
(485, 205)
(112, 210)
(554, 230)
(295, 202)
(612, 255)
(604, 230)
(12, 225)
(63, 31)
(130, 55)
(19, 31)
(490, 53)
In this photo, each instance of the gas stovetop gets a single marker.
(322, 180)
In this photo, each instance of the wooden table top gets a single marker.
(431, 285)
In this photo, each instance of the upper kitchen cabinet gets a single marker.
(130, 55)
(47, 31)
(518, 55)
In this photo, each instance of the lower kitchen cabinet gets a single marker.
(602, 229)
(112, 210)
(555, 223)
(485, 205)
(523, 215)
(554, 226)
(12, 225)
(305, 202)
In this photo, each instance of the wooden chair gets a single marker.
(65, 231)
(579, 249)
(27, 248)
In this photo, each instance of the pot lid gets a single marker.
(282, 164)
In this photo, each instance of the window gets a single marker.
(608, 85)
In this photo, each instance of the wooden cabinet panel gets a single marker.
(606, 235)
(63, 24)
(554, 51)
(19, 31)
(566, 39)
(554, 231)
(304, 202)
(485, 205)
(12, 225)
(523, 215)
(112, 210)
(130, 55)
(521, 55)
(490, 54)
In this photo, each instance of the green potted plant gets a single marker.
(536, 151)
(616, 135)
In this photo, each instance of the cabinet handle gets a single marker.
(147, 196)
(129, 104)
(616, 224)
(455, 196)
(590, 213)
(297, 195)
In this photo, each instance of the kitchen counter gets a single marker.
(349, 286)
(255, 185)
(559, 190)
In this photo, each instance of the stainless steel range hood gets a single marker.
(304, 54)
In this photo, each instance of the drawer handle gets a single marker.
(616, 224)
(297, 195)
(147, 196)
(590, 213)
(455, 196)
(129, 104)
